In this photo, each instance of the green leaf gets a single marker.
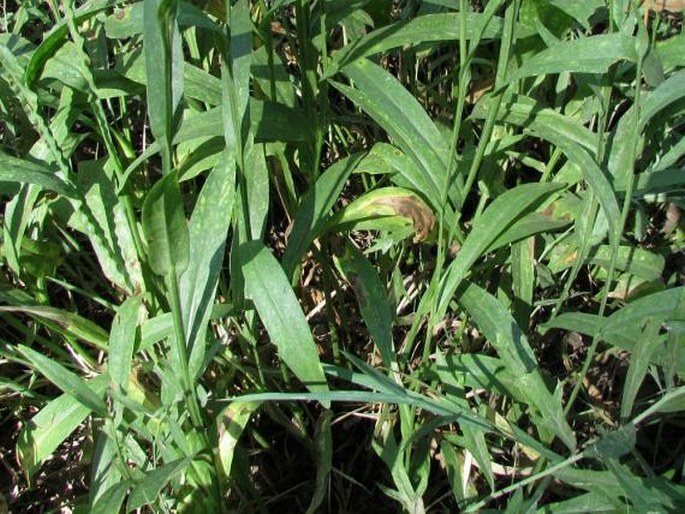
(667, 93)
(523, 280)
(526, 112)
(384, 158)
(112, 499)
(236, 75)
(431, 28)
(58, 35)
(480, 372)
(164, 69)
(529, 225)
(373, 300)
(17, 216)
(208, 230)
(146, 491)
(400, 114)
(592, 174)
(231, 423)
(672, 401)
(122, 339)
(114, 248)
(395, 397)
(580, 11)
(387, 208)
(636, 261)
(53, 424)
(266, 284)
(647, 342)
(616, 443)
(585, 503)
(165, 227)
(312, 214)
(653, 104)
(66, 380)
(511, 344)
(323, 439)
(104, 472)
(64, 66)
(624, 326)
(67, 323)
(257, 181)
(25, 172)
(496, 219)
(594, 54)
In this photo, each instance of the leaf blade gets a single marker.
(266, 284)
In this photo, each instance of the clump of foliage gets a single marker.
(342, 255)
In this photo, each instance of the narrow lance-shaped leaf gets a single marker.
(281, 314)
(505, 335)
(231, 423)
(208, 229)
(17, 216)
(164, 70)
(236, 77)
(312, 214)
(257, 178)
(165, 227)
(112, 499)
(496, 219)
(122, 339)
(67, 323)
(66, 380)
(432, 28)
(147, 490)
(647, 343)
(373, 300)
(104, 472)
(382, 96)
(594, 54)
(53, 424)
(25, 172)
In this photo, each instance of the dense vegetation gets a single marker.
(342, 256)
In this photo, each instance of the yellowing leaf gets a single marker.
(388, 208)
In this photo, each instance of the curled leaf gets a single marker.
(665, 5)
(390, 208)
